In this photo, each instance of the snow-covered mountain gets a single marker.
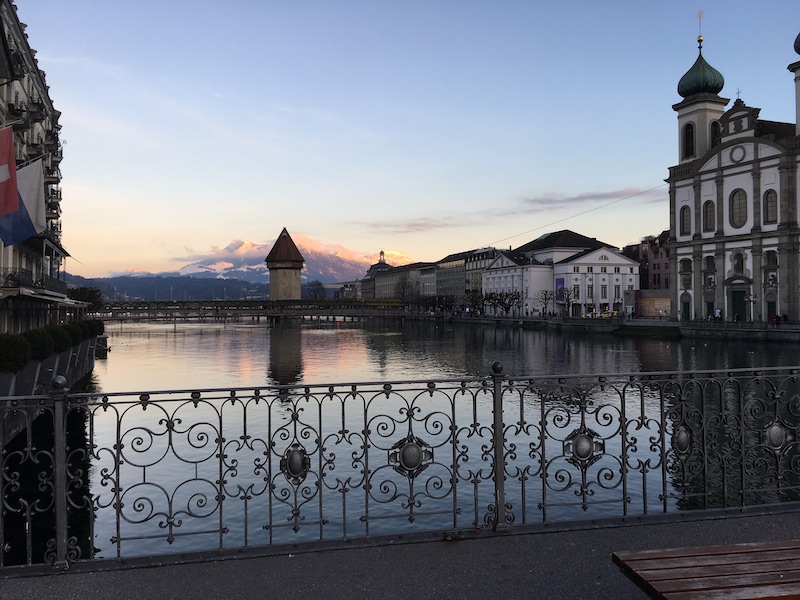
(245, 261)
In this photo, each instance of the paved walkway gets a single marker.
(550, 564)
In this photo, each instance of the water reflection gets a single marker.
(155, 356)
(285, 353)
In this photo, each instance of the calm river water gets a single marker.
(194, 355)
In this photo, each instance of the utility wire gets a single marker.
(578, 214)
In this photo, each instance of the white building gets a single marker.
(734, 202)
(565, 273)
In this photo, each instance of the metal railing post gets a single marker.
(498, 434)
(60, 390)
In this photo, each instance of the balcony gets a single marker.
(52, 175)
(19, 117)
(36, 110)
(34, 150)
(52, 284)
(14, 278)
(51, 140)
(53, 210)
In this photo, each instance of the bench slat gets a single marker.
(733, 571)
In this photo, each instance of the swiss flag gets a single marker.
(9, 197)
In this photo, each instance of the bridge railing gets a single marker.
(155, 473)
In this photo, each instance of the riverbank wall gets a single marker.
(652, 328)
(75, 364)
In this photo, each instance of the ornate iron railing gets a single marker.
(122, 475)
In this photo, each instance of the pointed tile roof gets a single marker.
(284, 253)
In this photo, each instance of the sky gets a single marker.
(425, 127)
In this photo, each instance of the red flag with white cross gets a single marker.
(9, 198)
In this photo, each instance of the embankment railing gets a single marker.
(120, 475)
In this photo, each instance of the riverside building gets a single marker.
(734, 204)
(33, 290)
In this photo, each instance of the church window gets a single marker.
(738, 264)
(738, 208)
(716, 134)
(709, 216)
(770, 206)
(686, 221)
(710, 266)
(688, 140)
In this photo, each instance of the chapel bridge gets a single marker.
(247, 310)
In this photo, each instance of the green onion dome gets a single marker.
(702, 78)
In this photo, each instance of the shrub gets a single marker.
(74, 332)
(99, 326)
(61, 337)
(15, 352)
(41, 342)
(86, 329)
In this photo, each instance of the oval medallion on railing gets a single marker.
(295, 463)
(583, 446)
(776, 436)
(410, 456)
(682, 441)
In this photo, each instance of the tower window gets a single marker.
(738, 208)
(688, 140)
(716, 134)
(770, 206)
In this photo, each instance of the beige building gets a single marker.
(33, 290)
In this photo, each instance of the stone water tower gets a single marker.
(284, 262)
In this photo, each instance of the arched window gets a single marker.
(716, 134)
(771, 258)
(770, 206)
(688, 140)
(710, 265)
(738, 264)
(686, 265)
(709, 216)
(686, 221)
(738, 208)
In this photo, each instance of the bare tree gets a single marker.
(544, 299)
(505, 301)
(569, 297)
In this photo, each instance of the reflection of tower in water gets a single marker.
(285, 353)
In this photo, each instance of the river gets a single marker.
(195, 355)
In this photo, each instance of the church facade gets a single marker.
(734, 203)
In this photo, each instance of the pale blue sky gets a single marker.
(426, 127)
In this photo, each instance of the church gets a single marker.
(734, 201)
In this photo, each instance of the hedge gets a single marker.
(38, 344)
(15, 352)
(42, 343)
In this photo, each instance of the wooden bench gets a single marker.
(733, 572)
